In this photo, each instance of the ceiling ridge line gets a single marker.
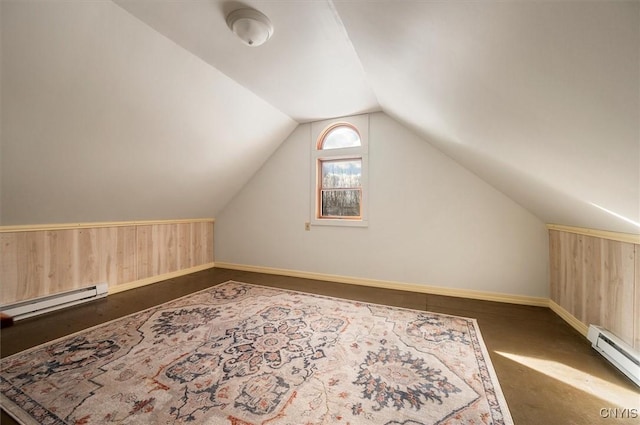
(341, 24)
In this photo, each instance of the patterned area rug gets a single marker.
(242, 354)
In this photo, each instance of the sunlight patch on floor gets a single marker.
(605, 390)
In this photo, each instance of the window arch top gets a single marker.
(339, 136)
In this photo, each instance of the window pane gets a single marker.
(341, 137)
(342, 173)
(341, 203)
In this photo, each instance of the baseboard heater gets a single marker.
(619, 353)
(40, 305)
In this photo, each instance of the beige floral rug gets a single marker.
(243, 354)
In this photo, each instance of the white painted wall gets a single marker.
(431, 221)
(103, 118)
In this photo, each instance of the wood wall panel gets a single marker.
(21, 269)
(159, 251)
(620, 267)
(144, 251)
(185, 248)
(166, 248)
(595, 280)
(118, 254)
(30, 259)
(208, 241)
(202, 242)
(556, 269)
(8, 264)
(87, 257)
(42, 262)
(636, 297)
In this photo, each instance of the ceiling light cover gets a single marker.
(251, 26)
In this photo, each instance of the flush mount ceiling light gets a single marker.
(251, 26)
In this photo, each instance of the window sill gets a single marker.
(339, 223)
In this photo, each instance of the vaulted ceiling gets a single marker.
(540, 99)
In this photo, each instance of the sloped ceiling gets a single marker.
(540, 99)
(105, 119)
(308, 70)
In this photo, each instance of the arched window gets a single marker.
(340, 175)
(339, 136)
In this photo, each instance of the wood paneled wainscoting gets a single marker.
(595, 279)
(42, 260)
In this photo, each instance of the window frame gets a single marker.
(320, 130)
(320, 189)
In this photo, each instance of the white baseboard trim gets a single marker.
(569, 318)
(413, 287)
(158, 278)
